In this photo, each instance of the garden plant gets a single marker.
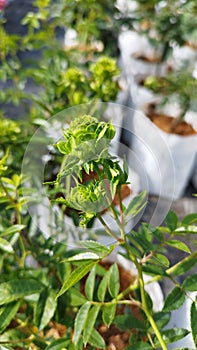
(58, 297)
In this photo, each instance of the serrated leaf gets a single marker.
(171, 220)
(83, 256)
(102, 289)
(59, 344)
(45, 308)
(89, 285)
(124, 322)
(183, 266)
(16, 289)
(172, 335)
(90, 322)
(174, 300)
(190, 283)
(5, 246)
(193, 318)
(178, 245)
(108, 314)
(114, 281)
(136, 205)
(7, 313)
(76, 275)
(96, 340)
(95, 246)
(80, 321)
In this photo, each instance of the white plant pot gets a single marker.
(131, 44)
(167, 160)
(181, 318)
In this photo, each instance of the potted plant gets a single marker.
(57, 296)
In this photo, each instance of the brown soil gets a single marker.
(169, 124)
(148, 59)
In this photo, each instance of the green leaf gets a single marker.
(102, 289)
(114, 282)
(6, 246)
(90, 322)
(7, 313)
(89, 285)
(16, 289)
(154, 270)
(178, 245)
(162, 318)
(124, 322)
(190, 283)
(140, 345)
(135, 206)
(172, 335)
(96, 340)
(12, 230)
(76, 276)
(183, 266)
(174, 300)
(189, 219)
(13, 334)
(160, 259)
(80, 321)
(171, 220)
(193, 318)
(191, 229)
(75, 297)
(83, 256)
(59, 344)
(45, 308)
(95, 247)
(108, 314)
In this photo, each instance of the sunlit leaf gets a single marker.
(97, 340)
(178, 245)
(19, 288)
(45, 308)
(114, 283)
(5, 246)
(108, 314)
(90, 322)
(80, 321)
(76, 276)
(89, 285)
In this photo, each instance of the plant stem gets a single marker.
(145, 308)
(108, 230)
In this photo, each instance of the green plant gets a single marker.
(179, 83)
(165, 24)
(49, 291)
